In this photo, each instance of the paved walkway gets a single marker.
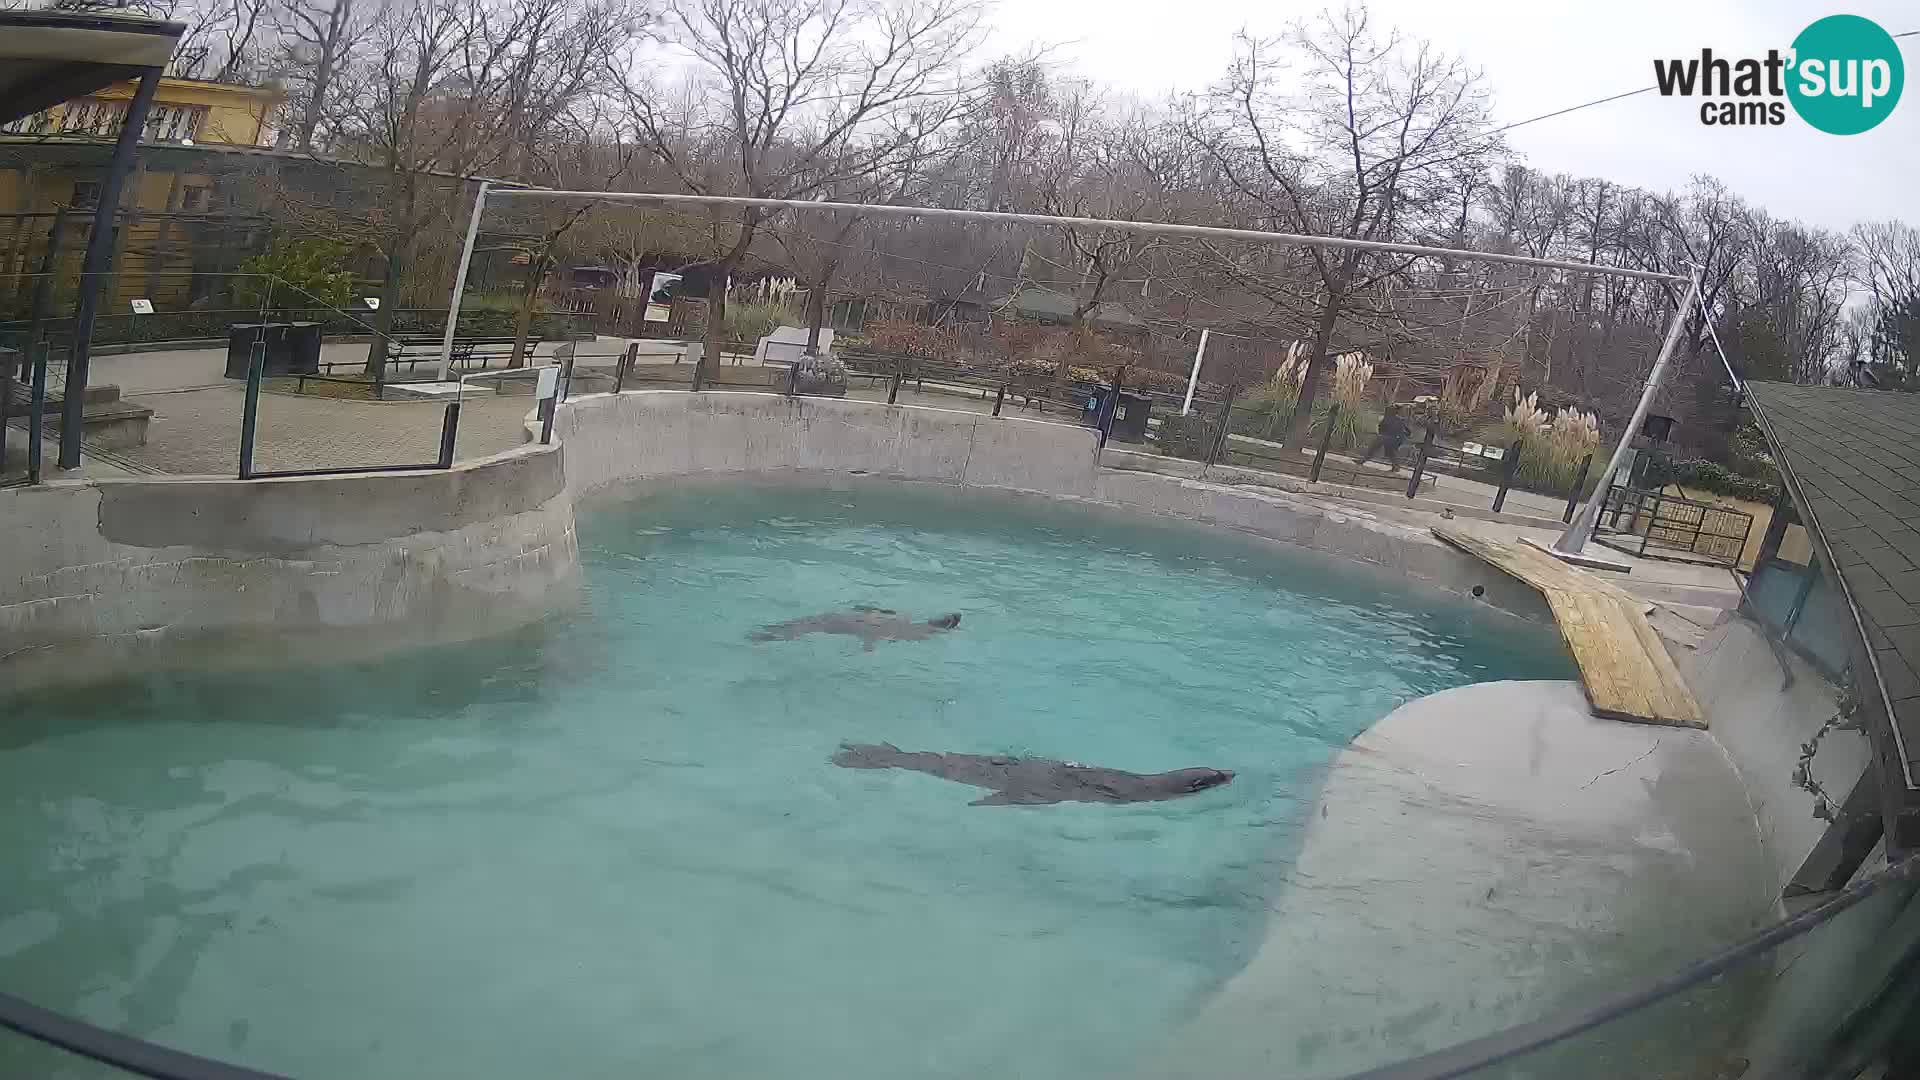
(197, 411)
(198, 431)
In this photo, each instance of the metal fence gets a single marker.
(1655, 525)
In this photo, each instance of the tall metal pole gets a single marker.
(1193, 378)
(460, 282)
(1050, 221)
(94, 267)
(1574, 540)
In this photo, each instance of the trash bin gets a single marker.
(293, 348)
(1129, 416)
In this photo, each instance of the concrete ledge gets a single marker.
(108, 577)
(1478, 858)
(655, 433)
(643, 438)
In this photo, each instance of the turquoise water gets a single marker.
(612, 845)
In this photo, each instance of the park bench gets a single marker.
(411, 349)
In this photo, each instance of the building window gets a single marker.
(173, 123)
(194, 200)
(102, 119)
(86, 194)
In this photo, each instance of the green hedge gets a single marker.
(1700, 474)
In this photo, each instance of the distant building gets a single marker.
(184, 111)
(179, 227)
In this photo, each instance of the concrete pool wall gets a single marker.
(1510, 830)
(100, 578)
(617, 442)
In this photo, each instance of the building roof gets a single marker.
(1036, 302)
(1852, 461)
(47, 57)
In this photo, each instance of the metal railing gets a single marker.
(1655, 525)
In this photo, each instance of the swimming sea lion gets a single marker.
(1034, 781)
(869, 624)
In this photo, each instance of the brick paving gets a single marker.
(198, 431)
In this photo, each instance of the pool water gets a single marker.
(613, 845)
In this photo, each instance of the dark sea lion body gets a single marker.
(868, 624)
(1019, 781)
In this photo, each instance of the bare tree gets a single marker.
(803, 96)
(1373, 149)
(318, 39)
(1889, 270)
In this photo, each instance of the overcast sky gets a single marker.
(1542, 55)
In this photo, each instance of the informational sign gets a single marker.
(142, 306)
(372, 302)
(549, 384)
(659, 313)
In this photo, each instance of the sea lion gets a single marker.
(1033, 781)
(869, 624)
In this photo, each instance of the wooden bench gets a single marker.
(411, 349)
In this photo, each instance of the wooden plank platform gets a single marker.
(1624, 666)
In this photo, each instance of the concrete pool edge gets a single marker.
(107, 578)
(619, 445)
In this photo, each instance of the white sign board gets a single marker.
(143, 306)
(549, 384)
(372, 302)
(786, 344)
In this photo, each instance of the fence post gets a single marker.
(1573, 499)
(999, 399)
(1420, 463)
(1326, 438)
(566, 371)
(626, 364)
(1509, 464)
(6, 404)
(1226, 429)
(893, 384)
(1112, 410)
(37, 419)
(546, 420)
(250, 412)
(449, 431)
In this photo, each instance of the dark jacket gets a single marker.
(1395, 429)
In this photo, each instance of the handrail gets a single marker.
(126, 1052)
(154, 1062)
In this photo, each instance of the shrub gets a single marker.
(1551, 447)
(1352, 426)
(1266, 412)
(295, 273)
(753, 321)
(1186, 436)
(1700, 474)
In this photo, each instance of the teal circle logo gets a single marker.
(1846, 75)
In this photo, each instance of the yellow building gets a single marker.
(184, 111)
(180, 234)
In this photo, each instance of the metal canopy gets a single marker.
(47, 57)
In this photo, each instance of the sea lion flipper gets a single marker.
(869, 608)
(1013, 798)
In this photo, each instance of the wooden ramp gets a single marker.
(1624, 666)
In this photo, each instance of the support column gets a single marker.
(99, 259)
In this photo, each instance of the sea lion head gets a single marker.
(1188, 781)
(945, 622)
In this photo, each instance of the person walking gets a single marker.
(1394, 430)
